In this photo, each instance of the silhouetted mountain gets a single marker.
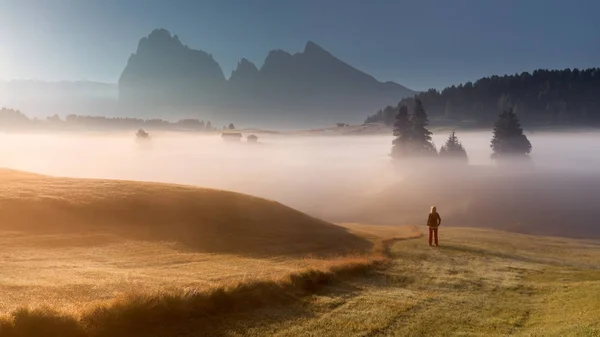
(165, 73)
(244, 84)
(316, 72)
(246, 72)
(312, 87)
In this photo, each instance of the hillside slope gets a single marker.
(203, 219)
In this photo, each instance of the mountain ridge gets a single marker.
(312, 86)
(165, 78)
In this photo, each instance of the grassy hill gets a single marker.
(117, 258)
(73, 245)
(203, 219)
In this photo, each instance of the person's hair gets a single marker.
(433, 209)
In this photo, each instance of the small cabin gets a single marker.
(141, 134)
(252, 139)
(232, 136)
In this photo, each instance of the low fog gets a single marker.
(346, 178)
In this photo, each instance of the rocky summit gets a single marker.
(164, 78)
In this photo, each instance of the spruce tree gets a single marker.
(508, 140)
(421, 143)
(453, 149)
(402, 132)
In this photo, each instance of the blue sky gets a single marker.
(419, 43)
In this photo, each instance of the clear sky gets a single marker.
(419, 43)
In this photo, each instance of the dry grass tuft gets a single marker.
(166, 312)
(145, 315)
(40, 322)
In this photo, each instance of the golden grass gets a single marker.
(168, 309)
(72, 272)
(477, 283)
(203, 219)
(101, 258)
(95, 257)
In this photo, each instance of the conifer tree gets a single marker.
(508, 140)
(402, 132)
(421, 143)
(453, 149)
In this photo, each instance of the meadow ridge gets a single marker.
(206, 220)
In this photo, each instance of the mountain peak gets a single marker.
(159, 34)
(162, 36)
(161, 57)
(277, 54)
(276, 60)
(245, 69)
(165, 72)
(244, 62)
(313, 48)
(158, 39)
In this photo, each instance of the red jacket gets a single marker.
(434, 220)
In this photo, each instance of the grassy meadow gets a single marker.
(477, 283)
(120, 258)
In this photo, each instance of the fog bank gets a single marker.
(334, 177)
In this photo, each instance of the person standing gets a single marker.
(433, 222)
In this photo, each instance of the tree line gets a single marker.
(412, 138)
(11, 119)
(542, 98)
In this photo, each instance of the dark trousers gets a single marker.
(433, 233)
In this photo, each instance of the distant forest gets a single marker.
(542, 98)
(14, 120)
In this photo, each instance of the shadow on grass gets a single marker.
(179, 313)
